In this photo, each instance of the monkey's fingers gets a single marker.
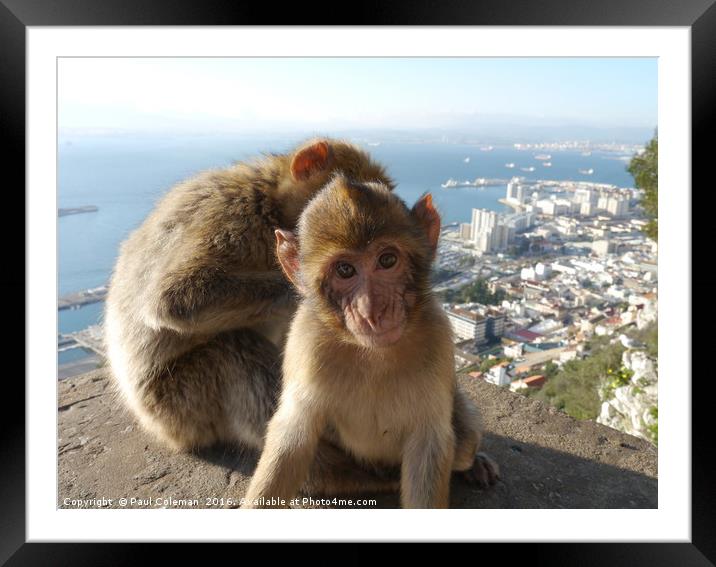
(484, 472)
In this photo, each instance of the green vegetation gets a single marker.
(476, 292)
(550, 370)
(617, 379)
(644, 168)
(575, 387)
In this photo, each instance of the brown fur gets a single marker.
(387, 407)
(198, 308)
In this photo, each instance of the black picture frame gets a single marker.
(17, 15)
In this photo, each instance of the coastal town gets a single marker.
(571, 263)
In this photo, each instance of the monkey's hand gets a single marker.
(484, 471)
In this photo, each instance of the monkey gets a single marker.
(369, 359)
(198, 307)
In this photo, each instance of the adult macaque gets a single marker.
(368, 364)
(198, 307)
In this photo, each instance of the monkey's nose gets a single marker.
(374, 319)
(371, 310)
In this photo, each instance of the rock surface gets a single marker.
(632, 408)
(547, 459)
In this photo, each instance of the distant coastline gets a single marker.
(77, 210)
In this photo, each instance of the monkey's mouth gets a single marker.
(379, 338)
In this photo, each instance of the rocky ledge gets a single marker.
(547, 459)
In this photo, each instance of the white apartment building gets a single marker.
(499, 375)
(588, 266)
(482, 219)
(542, 271)
(476, 323)
(583, 196)
(557, 267)
(617, 206)
(468, 324)
(602, 247)
(514, 350)
(587, 209)
(520, 221)
(516, 192)
(554, 207)
(488, 231)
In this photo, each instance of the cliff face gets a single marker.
(547, 459)
(632, 407)
(647, 315)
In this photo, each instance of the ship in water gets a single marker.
(543, 156)
(510, 165)
(530, 168)
(587, 153)
(586, 171)
(467, 160)
(487, 148)
(450, 183)
(547, 163)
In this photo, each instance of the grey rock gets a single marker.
(547, 459)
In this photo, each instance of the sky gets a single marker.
(224, 94)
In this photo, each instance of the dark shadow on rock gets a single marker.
(530, 477)
(540, 477)
(233, 457)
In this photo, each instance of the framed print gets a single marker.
(534, 131)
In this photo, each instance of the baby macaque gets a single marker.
(198, 307)
(368, 363)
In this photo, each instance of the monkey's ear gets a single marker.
(310, 160)
(429, 218)
(287, 254)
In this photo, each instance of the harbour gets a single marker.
(80, 298)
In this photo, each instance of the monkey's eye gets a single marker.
(345, 270)
(387, 260)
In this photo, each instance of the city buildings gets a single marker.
(578, 276)
(572, 263)
(477, 323)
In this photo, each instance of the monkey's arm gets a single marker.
(426, 468)
(291, 442)
(212, 299)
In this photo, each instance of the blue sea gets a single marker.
(124, 177)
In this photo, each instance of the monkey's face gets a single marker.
(370, 291)
(363, 261)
